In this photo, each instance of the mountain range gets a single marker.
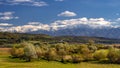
(83, 31)
(73, 27)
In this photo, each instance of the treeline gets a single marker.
(65, 52)
(85, 39)
(11, 38)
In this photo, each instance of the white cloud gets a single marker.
(116, 23)
(7, 16)
(71, 23)
(67, 14)
(21, 0)
(6, 13)
(39, 4)
(16, 17)
(5, 24)
(59, 0)
(36, 3)
(33, 23)
(29, 27)
(118, 19)
(96, 23)
(91, 21)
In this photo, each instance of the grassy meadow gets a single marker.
(6, 62)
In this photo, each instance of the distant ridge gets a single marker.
(11, 38)
(83, 31)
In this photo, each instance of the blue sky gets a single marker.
(22, 12)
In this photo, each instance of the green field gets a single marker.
(6, 62)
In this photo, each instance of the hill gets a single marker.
(11, 38)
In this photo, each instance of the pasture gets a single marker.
(7, 62)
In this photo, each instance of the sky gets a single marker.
(24, 15)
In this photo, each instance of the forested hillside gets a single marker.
(11, 38)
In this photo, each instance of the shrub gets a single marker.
(88, 57)
(13, 52)
(114, 55)
(77, 58)
(67, 58)
(39, 52)
(100, 54)
(64, 52)
(87, 54)
(61, 53)
(17, 51)
(92, 48)
(29, 52)
(51, 54)
(20, 52)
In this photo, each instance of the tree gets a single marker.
(39, 52)
(29, 51)
(13, 52)
(67, 58)
(51, 54)
(61, 54)
(77, 58)
(87, 55)
(17, 51)
(91, 42)
(91, 45)
(114, 55)
(100, 54)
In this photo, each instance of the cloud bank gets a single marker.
(95, 23)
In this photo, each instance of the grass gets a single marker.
(6, 62)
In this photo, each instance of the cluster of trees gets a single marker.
(65, 52)
(12, 38)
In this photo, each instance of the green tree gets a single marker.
(17, 51)
(114, 55)
(100, 54)
(29, 51)
(51, 54)
(39, 52)
(76, 58)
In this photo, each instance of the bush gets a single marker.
(77, 58)
(87, 54)
(92, 48)
(64, 52)
(67, 58)
(100, 54)
(88, 57)
(17, 51)
(114, 55)
(39, 52)
(51, 54)
(29, 52)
